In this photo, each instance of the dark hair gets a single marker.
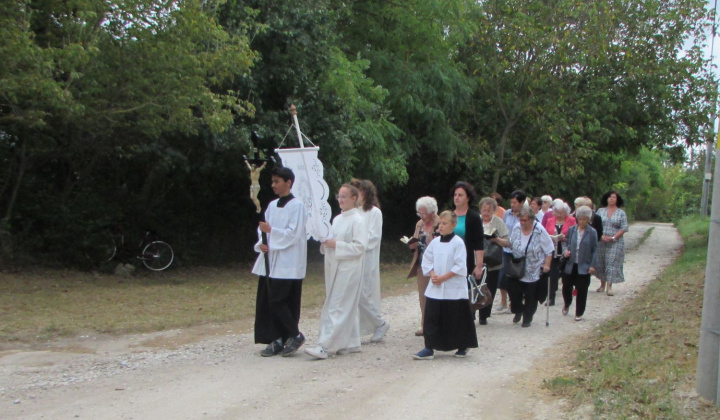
(497, 197)
(284, 173)
(370, 192)
(537, 200)
(604, 199)
(469, 190)
(518, 195)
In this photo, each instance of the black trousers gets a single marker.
(523, 298)
(554, 277)
(492, 283)
(277, 310)
(581, 282)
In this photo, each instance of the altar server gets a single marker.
(371, 320)
(277, 311)
(448, 321)
(344, 256)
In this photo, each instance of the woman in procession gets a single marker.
(496, 235)
(580, 252)
(448, 321)
(528, 239)
(339, 330)
(425, 229)
(611, 252)
(469, 227)
(557, 227)
(371, 320)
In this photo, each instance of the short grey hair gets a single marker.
(526, 211)
(559, 205)
(488, 201)
(428, 203)
(582, 201)
(546, 199)
(583, 211)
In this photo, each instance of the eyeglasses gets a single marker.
(421, 214)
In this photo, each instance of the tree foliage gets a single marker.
(139, 112)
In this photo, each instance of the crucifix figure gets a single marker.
(255, 184)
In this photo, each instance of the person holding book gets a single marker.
(425, 229)
(496, 235)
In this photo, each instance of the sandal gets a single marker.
(600, 289)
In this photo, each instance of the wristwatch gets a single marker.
(614, 239)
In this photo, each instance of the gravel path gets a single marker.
(223, 376)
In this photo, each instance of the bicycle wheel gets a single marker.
(100, 248)
(157, 256)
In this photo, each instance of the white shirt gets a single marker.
(287, 241)
(444, 257)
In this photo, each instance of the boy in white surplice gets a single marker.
(448, 323)
(277, 311)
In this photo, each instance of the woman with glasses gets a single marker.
(531, 240)
(425, 229)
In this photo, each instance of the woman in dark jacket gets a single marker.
(580, 252)
(469, 226)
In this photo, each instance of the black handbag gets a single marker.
(493, 255)
(516, 268)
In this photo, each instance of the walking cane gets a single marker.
(547, 302)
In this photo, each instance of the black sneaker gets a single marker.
(272, 349)
(292, 345)
(526, 324)
(517, 318)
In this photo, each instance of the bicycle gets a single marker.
(155, 254)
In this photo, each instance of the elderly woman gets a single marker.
(528, 239)
(580, 252)
(611, 252)
(557, 226)
(595, 220)
(496, 235)
(425, 229)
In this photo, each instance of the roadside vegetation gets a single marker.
(36, 306)
(642, 363)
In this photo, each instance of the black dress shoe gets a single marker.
(517, 318)
(483, 321)
(526, 324)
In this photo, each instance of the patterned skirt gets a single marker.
(611, 257)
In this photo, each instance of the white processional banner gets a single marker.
(310, 187)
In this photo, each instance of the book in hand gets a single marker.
(491, 234)
(407, 240)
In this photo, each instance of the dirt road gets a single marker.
(224, 377)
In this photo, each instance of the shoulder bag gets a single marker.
(516, 268)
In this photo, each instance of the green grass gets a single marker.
(642, 363)
(46, 304)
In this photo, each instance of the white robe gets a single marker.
(369, 306)
(287, 241)
(444, 257)
(339, 322)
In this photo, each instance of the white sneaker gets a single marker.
(380, 332)
(349, 350)
(318, 352)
